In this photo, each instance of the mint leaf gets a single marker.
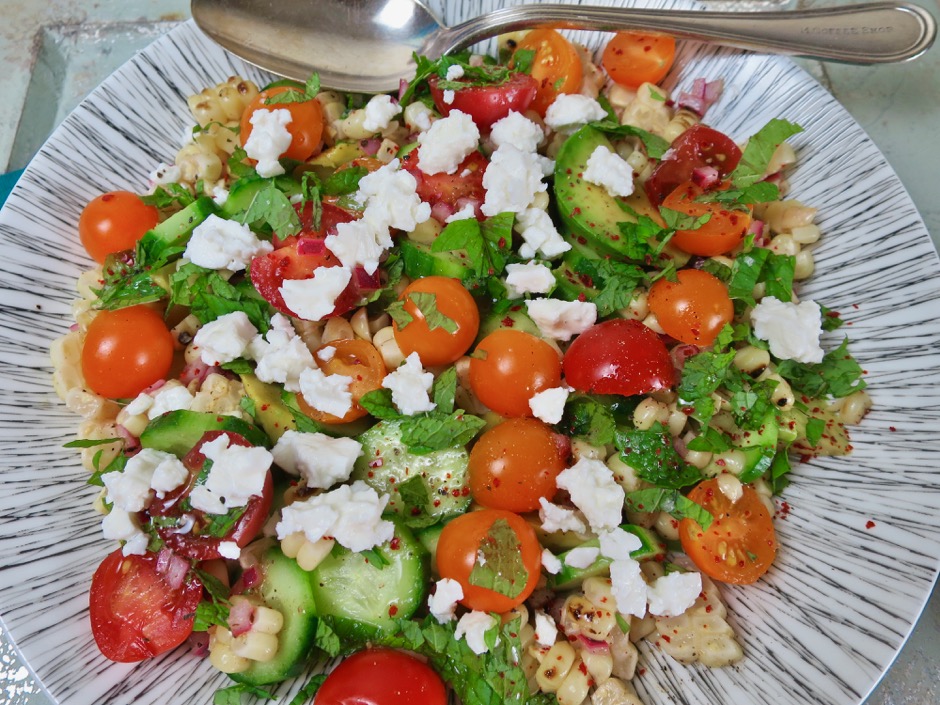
(270, 207)
(125, 283)
(414, 494)
(838, 375)
(435, 431)
(344, 181)
(90, 442)
(378, 402)
(676, 220)
(303, 422)
(326, 639)
(654, 458)
(487, 244)
(237, 166)
(670, 501)
(168, 196)
(116, 465)
(426, 303)
(210, 614)
(445, 390)
(232, 695)
(587, 418)
(498, 565)
(209, 295)
(759, 150)
(655, 145)
(702, 375)
(396, 310)
(522, 60)
(616, 282)
(305, 694)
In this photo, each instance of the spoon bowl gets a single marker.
(367, 46)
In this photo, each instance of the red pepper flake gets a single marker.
(869, 524)
(892, 429)
(395, 543)
(665, 637)
(392, 610)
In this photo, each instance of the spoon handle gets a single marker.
(872, 33)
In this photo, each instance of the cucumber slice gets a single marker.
(386, 464)
(286, 587)
(419, 261)
(244, 191)
(362, 599)
(429, 537)
(178, 431)
(569, 577)
(515, 318)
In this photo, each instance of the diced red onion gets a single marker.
(172, 567)
(196, 371)
(251, 578)
(73, 327)
(441, 211)
(163, 560)
(592, 646)
(475, 202)
(681, 353)
(154, 387)
(680, 447)
(240, 616)
(705, 176)
(367, 281)
(311, 246)
(131, 442)
(199, 641)
(370, 146)
(402, 87)
(702, 95)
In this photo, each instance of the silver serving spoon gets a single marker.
(366, 45)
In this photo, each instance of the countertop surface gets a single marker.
(54, 53)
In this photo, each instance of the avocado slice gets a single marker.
(177, 432)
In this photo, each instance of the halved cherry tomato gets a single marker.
(382, 676)
(633, 58)
(114, 222)
(196, 543)
(305, 127)
(509, 366)
(740, 544)
(556, 66)
(694, 309)
(514, 464)
(125, 351)
(135, 614)
(358, 359)
(722, 232)
(300, 256)
(437, 345)
(465, 184)
(619, 356)
(459, 546)
(698, 146)
(487, 104)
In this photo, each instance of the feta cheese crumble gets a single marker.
(314, 298)
(550, 562)
(539, 234)
(237, 474)
(528, 278)
(120, 525)
(516, 130)
(172, 396)
(562, 320)
(628, 587)
(472, 627)
(224, 339)
(411, 386)
(379, 112)
(150, 469)
(269, 139)
(609, 170)
(617, 544)
(582, 556)
(569, 112)
(327, 393)
(549, 405)
(593, 490)
(351, 514)
(674, 593)
(442, 603)
(512, 179)
(447, 143)
(555, 518)
(792, 330)
(281, 354)
(217, 243)
(546, 631)
(322, 461)
(230, 550)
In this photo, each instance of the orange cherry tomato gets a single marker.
(724, 230)
(358, 359)
(694, 309)
(740, 544)
(509, 366)
(305, 127)
(556, 66)
(459, 546)
(514, 464)
(633, 58)
(114, 222)
(125, 351)
(435, 344)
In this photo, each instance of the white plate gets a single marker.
(818, 630)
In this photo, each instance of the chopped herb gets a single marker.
(655, 145)
(759, 150)
(654, 458)
(670, 501)
(498, 565)
(838, 375)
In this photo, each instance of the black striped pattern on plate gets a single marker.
(819, 630)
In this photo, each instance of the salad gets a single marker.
(477, 386)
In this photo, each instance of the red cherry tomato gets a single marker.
(358, 359)
(514, 464)
(305, 127)
(196, 543)
(382, 677)
(464, 185)
(508, 367)
(114, 222)
(634, 58)
(300, 256)
(556, 66)
(696, 147)
(125, 351)
(694, 309)
(436, 345)
(459, 546)
(135, 614)
(487, 104)
(619, 356)
(722, 232)
(740, 545)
